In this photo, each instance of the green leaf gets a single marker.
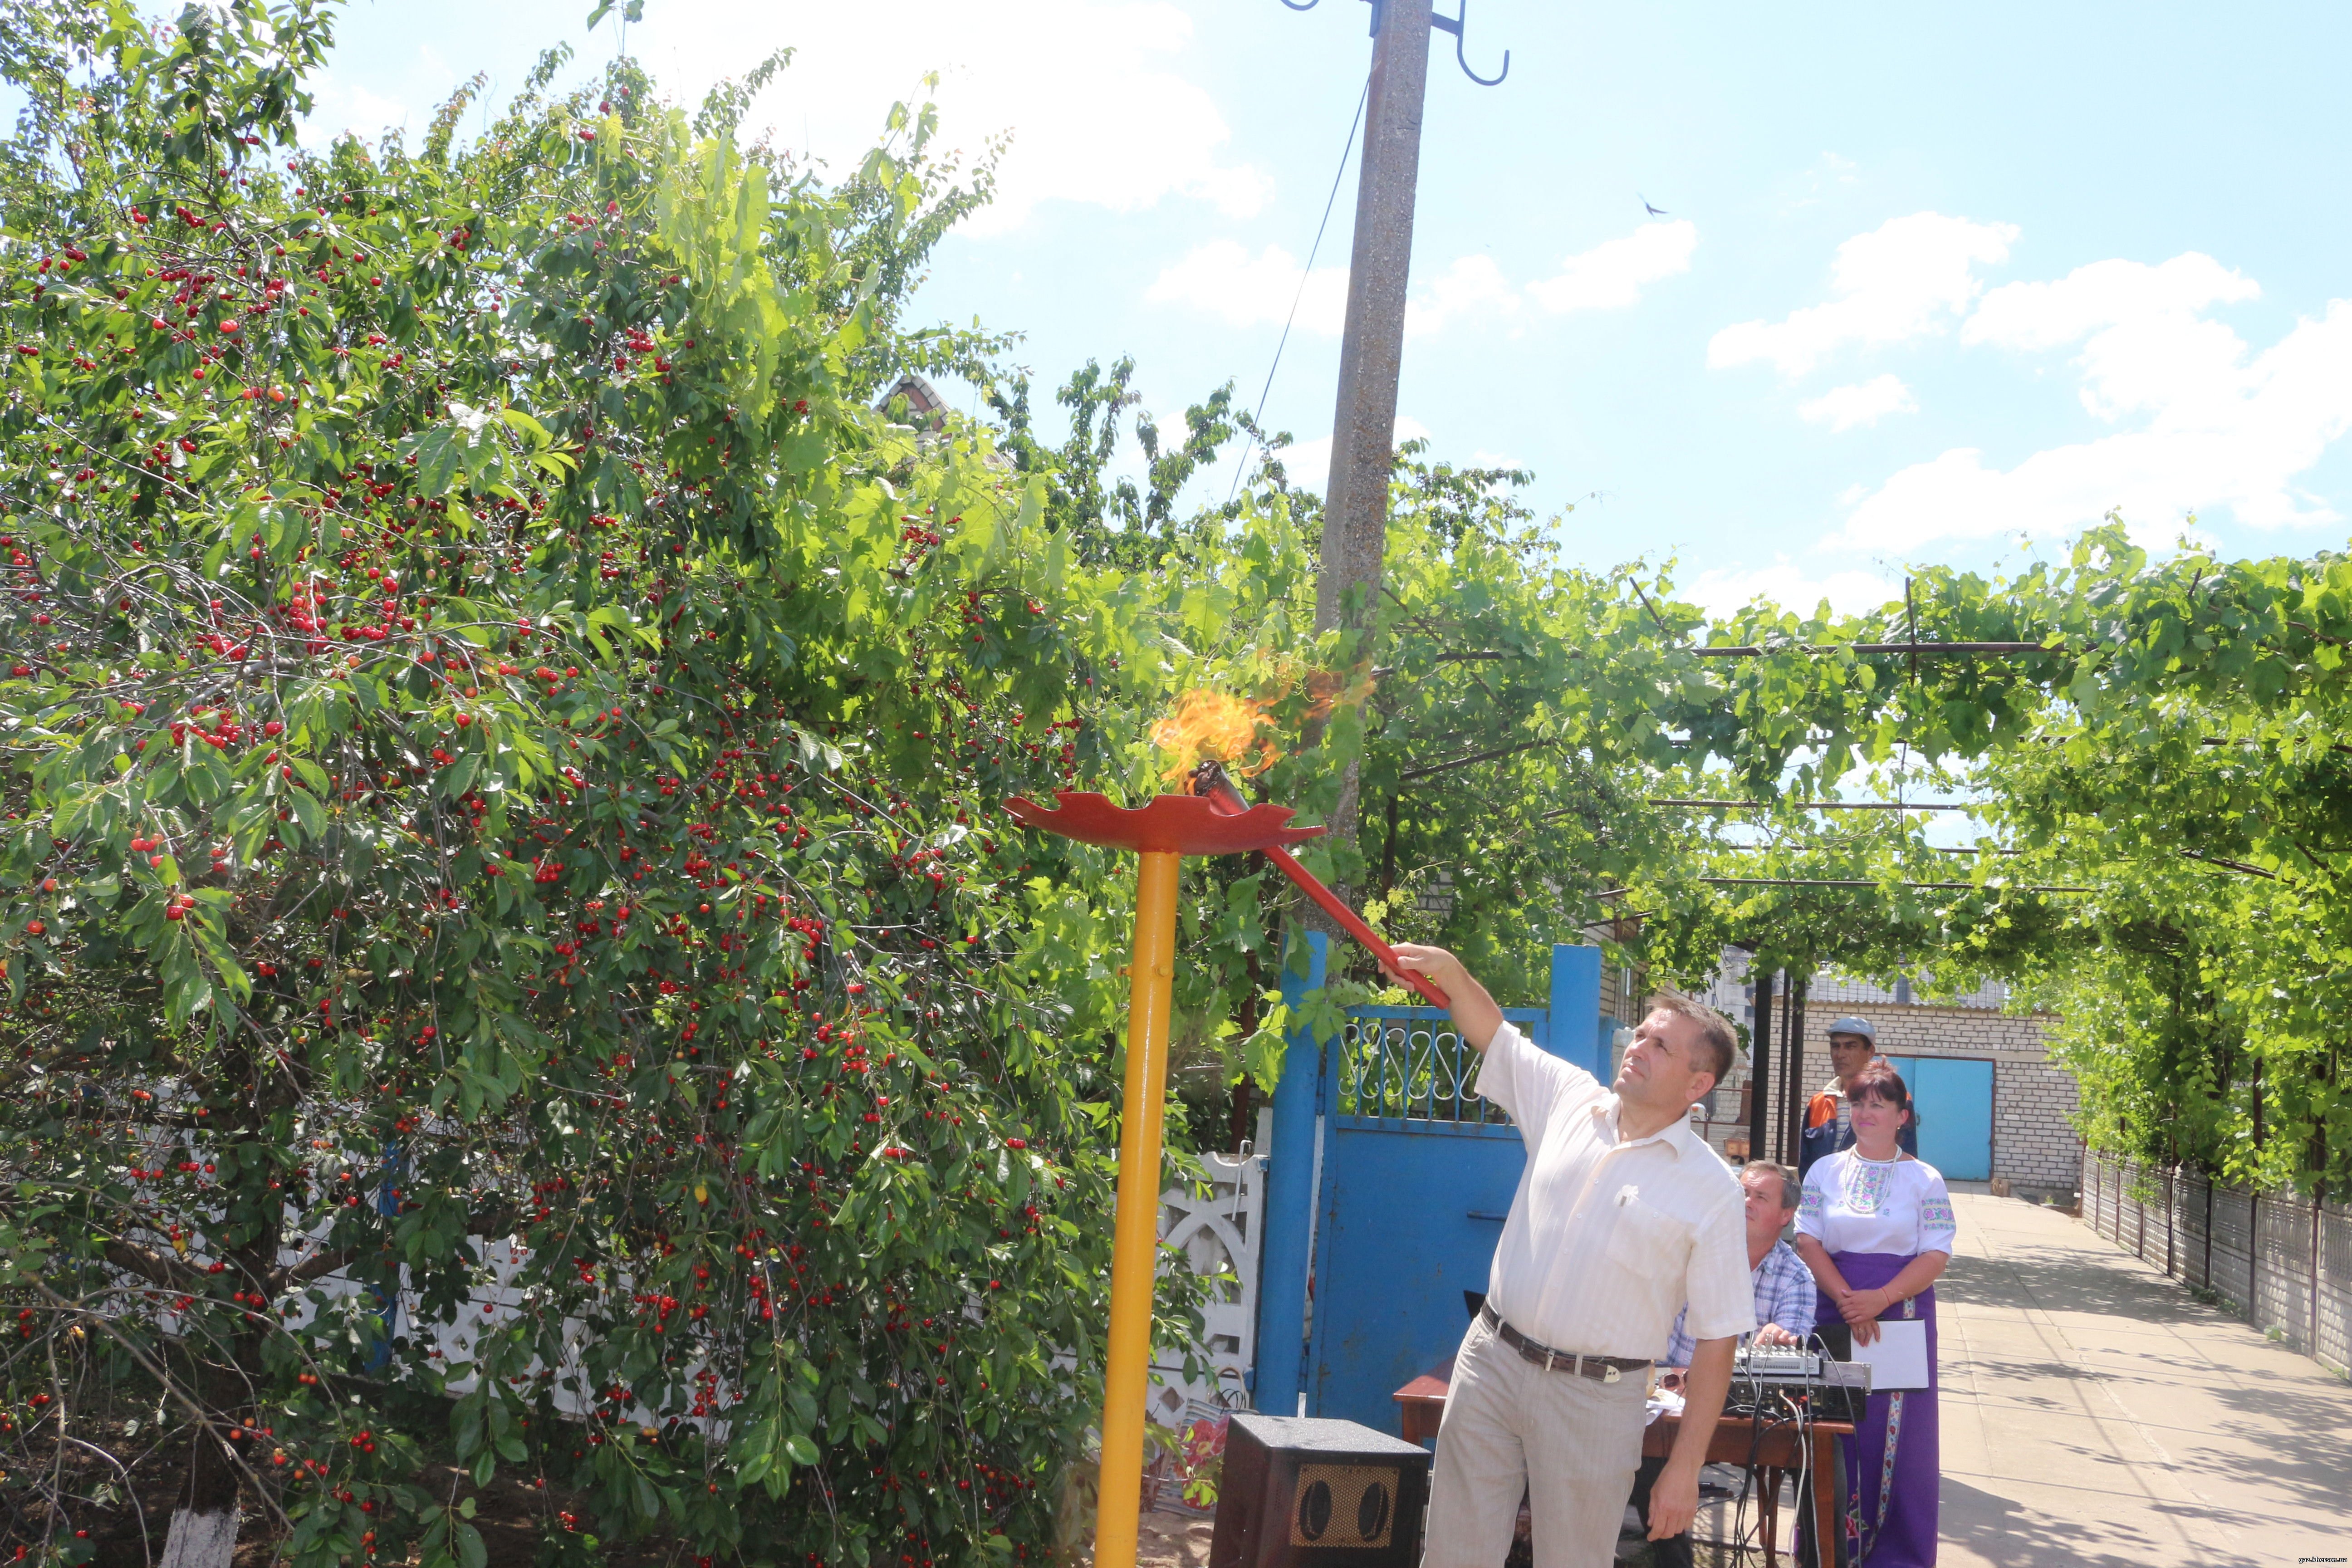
(801, 451)
(458, 780)
(307, 811)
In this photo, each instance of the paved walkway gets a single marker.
(2095, 1413)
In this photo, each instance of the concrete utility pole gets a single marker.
(1371, 351)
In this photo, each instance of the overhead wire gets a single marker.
(1305, 273)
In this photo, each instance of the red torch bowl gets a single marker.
(1166, 823)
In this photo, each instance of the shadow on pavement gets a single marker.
(2247, 1438)
(2068, 1286)
(1999, 1530)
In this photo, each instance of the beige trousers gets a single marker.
(1572, 1443)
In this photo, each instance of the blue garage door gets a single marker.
(1954, 1095)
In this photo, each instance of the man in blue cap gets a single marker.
(1828, 1125)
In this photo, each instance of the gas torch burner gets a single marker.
(1210, 782)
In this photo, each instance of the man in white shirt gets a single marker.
(1785, 1296)
(1621, 1216)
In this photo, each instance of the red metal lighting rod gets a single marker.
(1210, 781)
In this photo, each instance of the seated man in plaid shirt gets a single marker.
(1785, 1298)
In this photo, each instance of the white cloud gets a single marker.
(1094, 91)
(2050, 315)
(1309, 463)
(1612, 275)
(1724, 589)
(1221, 279)
(2213, 426)
(1909, 277)
(1828, 170)
(1863, 403)
(339, 107)
(1473, 287)
(2147, 350)
(1224, 281)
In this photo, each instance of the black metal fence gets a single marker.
(2281, 1261)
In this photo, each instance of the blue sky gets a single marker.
(1931, 280)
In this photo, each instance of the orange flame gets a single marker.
(1208, 726)
(1328, 689)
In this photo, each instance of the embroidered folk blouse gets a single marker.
(1895, 1206)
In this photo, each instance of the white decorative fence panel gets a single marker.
(1219, 1235)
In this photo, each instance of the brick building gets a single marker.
(2028, 1126)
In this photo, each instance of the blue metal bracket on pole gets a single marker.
(1281, 1372)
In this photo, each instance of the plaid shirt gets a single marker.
(1785, 1294)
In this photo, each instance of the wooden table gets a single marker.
(1421, 1404)
(1774, 1453)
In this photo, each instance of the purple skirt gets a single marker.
(1893, 1472)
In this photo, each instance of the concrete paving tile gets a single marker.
(2013, 1523)
(2095, 1412)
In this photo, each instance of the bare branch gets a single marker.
(148, 1264)
(173, 1392)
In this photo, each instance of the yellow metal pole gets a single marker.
(1136, 1237)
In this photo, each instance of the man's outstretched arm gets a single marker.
(1474, 1012)
(1673, 1496)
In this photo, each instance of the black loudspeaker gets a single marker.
(1300, 1493)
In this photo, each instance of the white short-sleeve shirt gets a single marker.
(1899, 1207)
(1606, 1240)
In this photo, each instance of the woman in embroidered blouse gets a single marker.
(1875, 1227)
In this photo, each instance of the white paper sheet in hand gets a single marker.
(1899, 1357)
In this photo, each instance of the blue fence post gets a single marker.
(1574, 1020)
(1281, 1370)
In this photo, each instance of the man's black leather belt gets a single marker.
(1600, 1368)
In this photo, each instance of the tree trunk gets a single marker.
(200, 1539)
(203, 1527)
(1245, 1104)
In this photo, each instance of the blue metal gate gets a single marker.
(1393, 1178)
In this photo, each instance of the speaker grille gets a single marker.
(1343, 1505)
